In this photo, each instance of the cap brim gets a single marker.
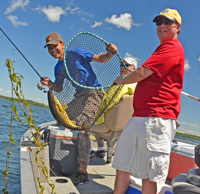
(55, 42)
(128, 61)
(168, 17)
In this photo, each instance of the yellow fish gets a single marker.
(58, 111)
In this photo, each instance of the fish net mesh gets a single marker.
(80, 92)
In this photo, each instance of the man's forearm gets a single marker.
(103, 58)
(139, 74)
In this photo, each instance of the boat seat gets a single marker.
(193, 176)
(187, 182)
(116, 119)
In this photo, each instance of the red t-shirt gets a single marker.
(159, 94)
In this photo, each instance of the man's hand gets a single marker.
(46, 81)
(105, 57)
(111, 48)
(118, 80)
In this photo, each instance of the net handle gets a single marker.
(71, 79)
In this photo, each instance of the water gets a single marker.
(40, 115)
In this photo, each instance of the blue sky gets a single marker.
(127, 23)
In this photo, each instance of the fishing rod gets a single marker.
(21, 53)
(190, 96)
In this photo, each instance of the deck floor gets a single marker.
(101, 178)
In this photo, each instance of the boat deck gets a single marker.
(101, 174)
(101, 177)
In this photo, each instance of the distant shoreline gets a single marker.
(181, 134)
(28, 101)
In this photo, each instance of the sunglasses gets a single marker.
(127, 65)
(166, 21)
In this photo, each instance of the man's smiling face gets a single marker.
(167, 32)
(56, 51)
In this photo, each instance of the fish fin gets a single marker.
(60, 109)
(64, 106)
(73, 122)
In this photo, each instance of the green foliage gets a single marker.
(188, 135)
(12, 141)
(4, 191)
(15, 79)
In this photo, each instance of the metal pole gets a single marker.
(190, 96)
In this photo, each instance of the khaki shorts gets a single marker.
(84, 107)
(144, 148)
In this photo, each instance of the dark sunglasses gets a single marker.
(127, 65)
(166, 21)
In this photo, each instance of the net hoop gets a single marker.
(65, 65)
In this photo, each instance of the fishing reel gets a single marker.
(40, 87)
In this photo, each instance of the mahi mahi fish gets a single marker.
(59, 111)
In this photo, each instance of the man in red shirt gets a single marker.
(144, 146)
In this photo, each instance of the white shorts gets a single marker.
(144, 148)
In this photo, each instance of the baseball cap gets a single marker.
(171, 14)
(131, 61)
(53, 38)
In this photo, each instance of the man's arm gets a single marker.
(137, 75)
(103, 58)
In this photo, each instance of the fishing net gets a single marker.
(80, 92)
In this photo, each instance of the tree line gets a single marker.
(188, 135)
(28, 101)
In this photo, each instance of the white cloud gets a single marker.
(14, 21)
(72, 11)
(183, 130)
(187, 66)
(198, 59)
(5, 92)
(15, 4)
(190, 131)
(193, 125)
(96, 24)
(78, 11)
(85, 19)
(70, 2)
(53, 13)
(38, 99)
(124, 21)
(130, 55)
